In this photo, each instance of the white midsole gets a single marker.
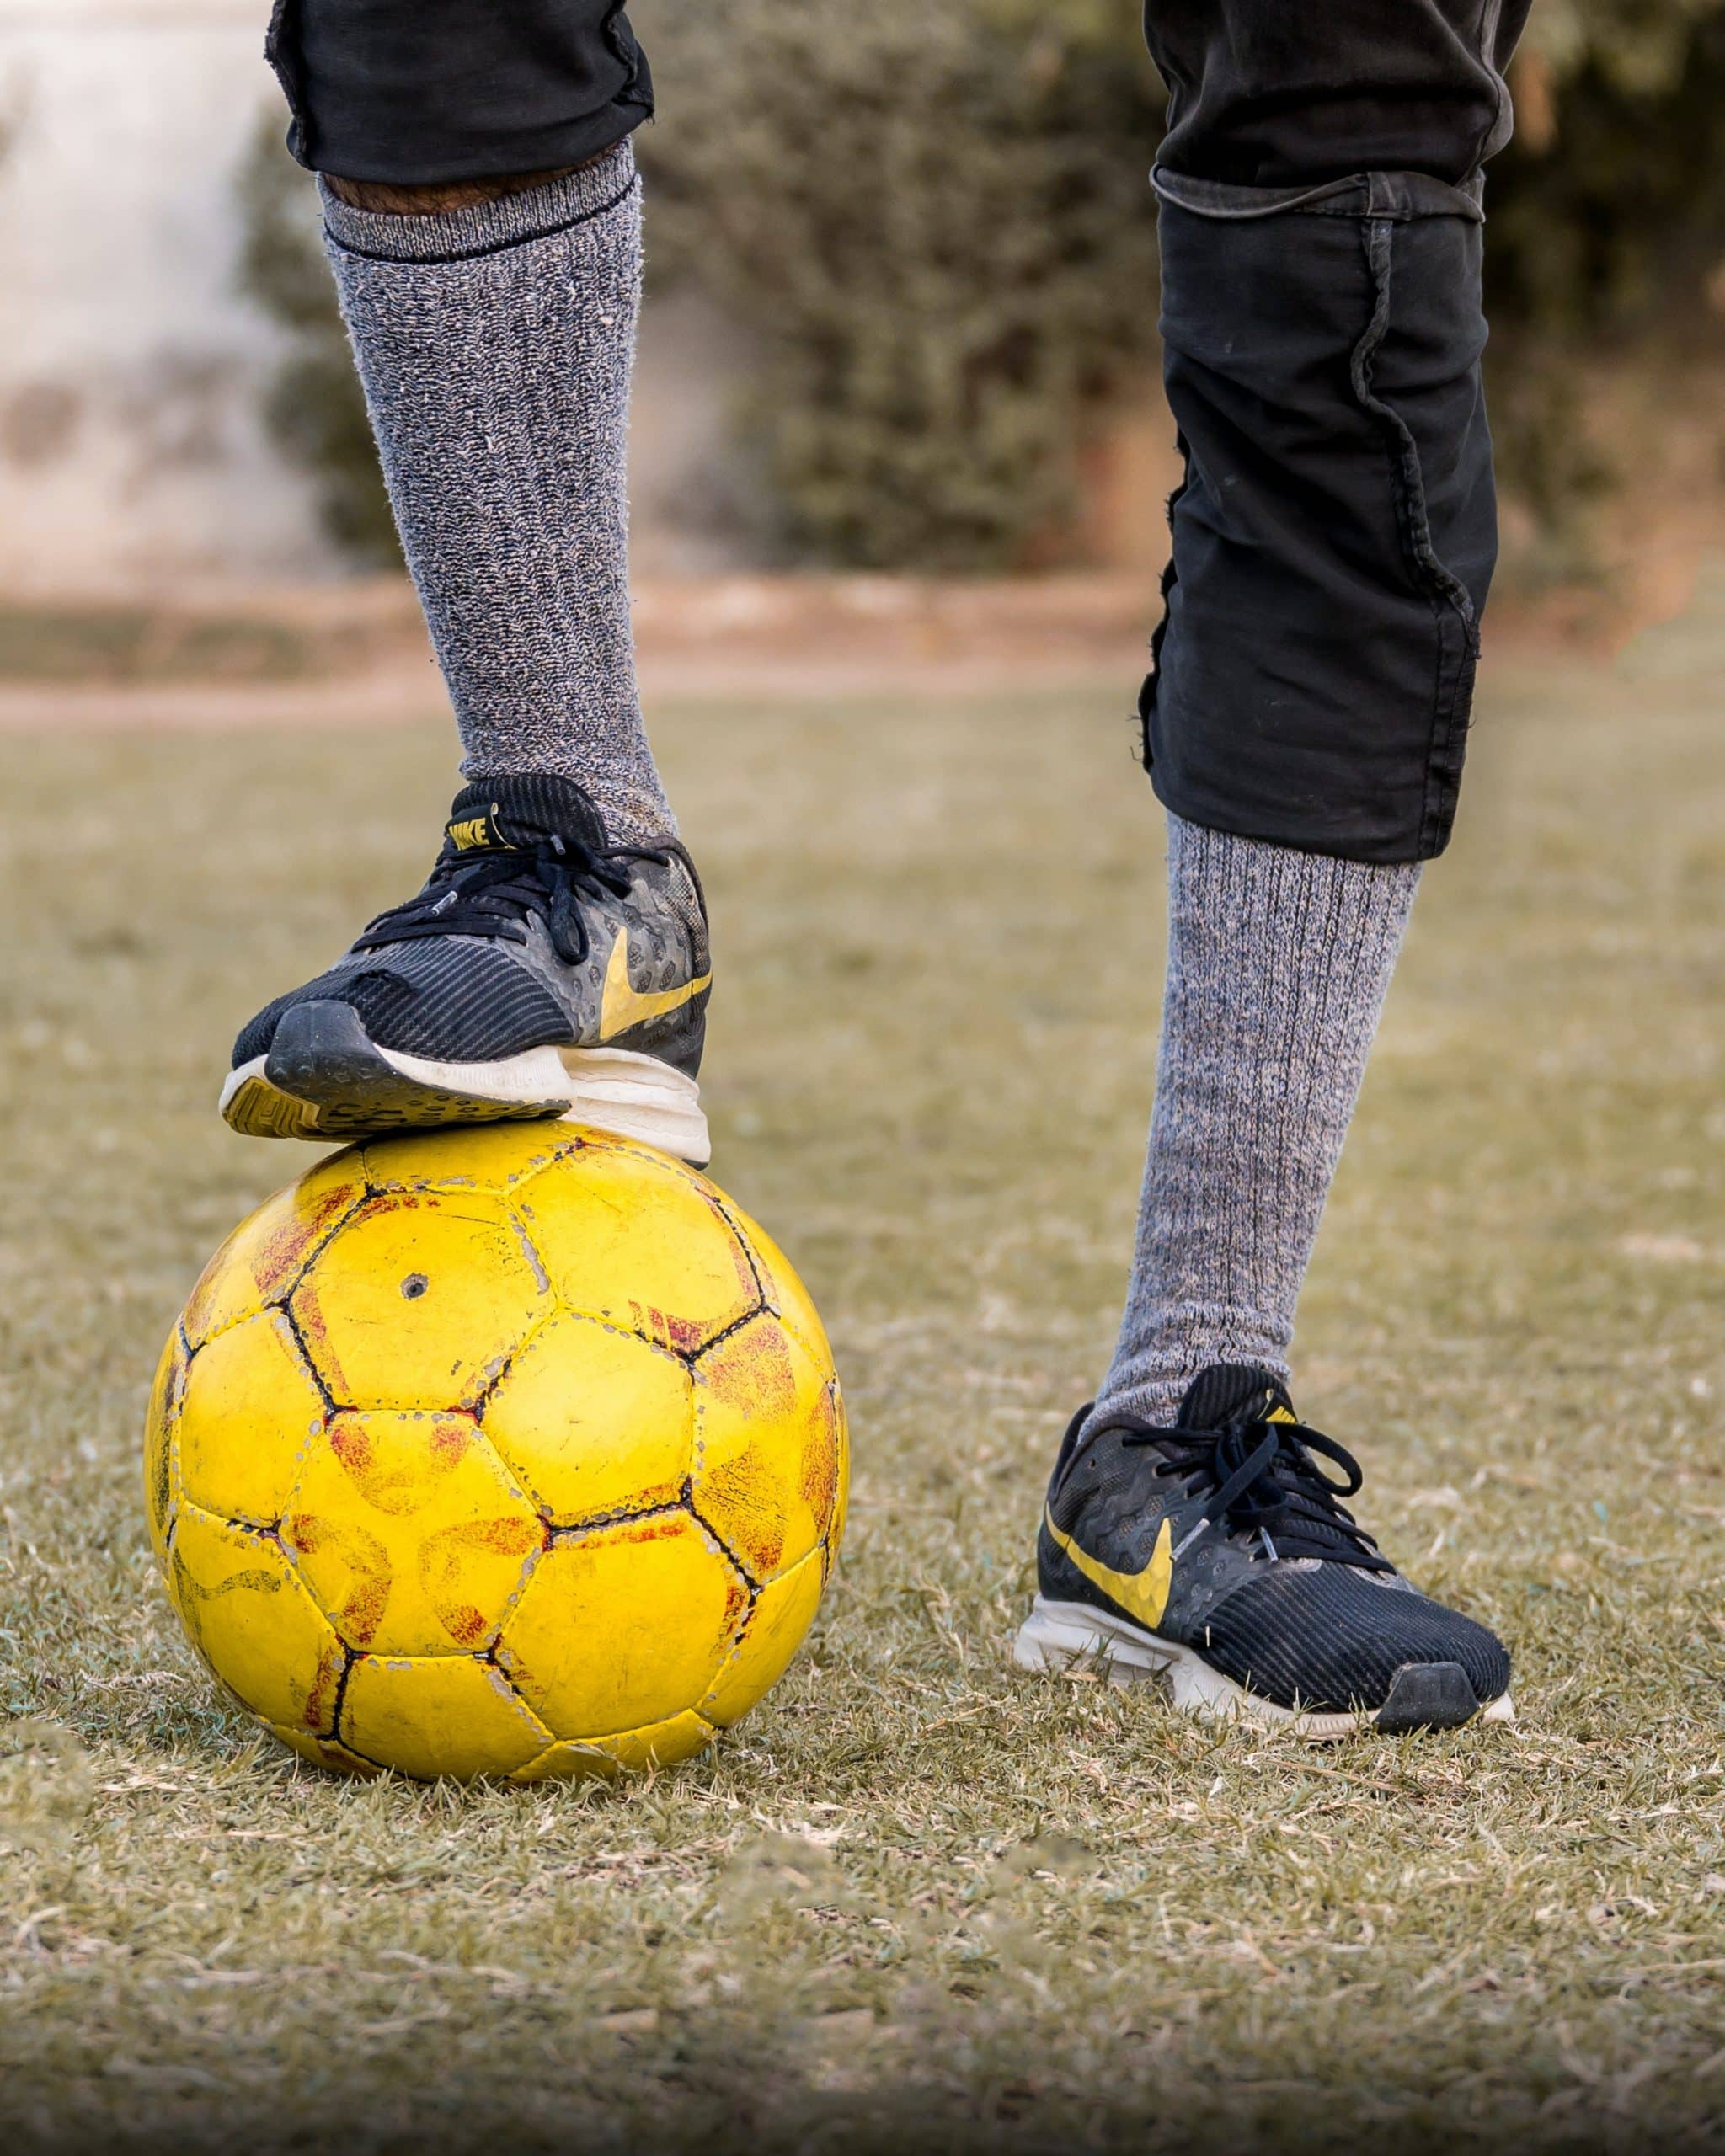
(1059, 1636)
(611, 1089)
(636, 1096)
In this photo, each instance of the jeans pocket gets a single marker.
(1455, 617)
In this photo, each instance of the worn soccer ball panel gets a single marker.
(768, 1450)
(251, 1409)
(629, 1236)
(636, 1751)
(783, 1291)
(623, 1625)
(679, 1736)
(496, 1157)
(324, 1751)
(453, 1716)
(778, 1625)
(568, 1762)
(265, 1255)
(593, 1422)
(410, 1532)
(253, 1622)
(161, 1432)
(420, 1301)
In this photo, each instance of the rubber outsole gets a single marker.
(1061, 1636)
(325, 1079)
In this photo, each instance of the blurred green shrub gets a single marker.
(1606, 234)
(931, 218)
(934, 225)
(313, 409)
(1608, 209)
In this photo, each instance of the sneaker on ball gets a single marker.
(543, 971)
(1216, 1559)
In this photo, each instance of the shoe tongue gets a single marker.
(1217, 1395)
(522, 807)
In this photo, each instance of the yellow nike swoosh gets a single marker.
(624, 1008)
(1143, 1596)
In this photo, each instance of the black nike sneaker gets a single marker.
(1215, 1559)
(543, 971)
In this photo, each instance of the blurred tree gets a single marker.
(1606, 237)
(937, 231)
(1639, 44)
(1608, 209)
(313, 409)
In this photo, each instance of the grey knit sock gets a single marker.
(1278, 966)
(495, 344)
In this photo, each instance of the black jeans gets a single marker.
(413, 91)
(1335, 535)
(1321, 219)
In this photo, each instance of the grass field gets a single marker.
(918, 1901)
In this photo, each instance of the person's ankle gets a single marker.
(436, 198)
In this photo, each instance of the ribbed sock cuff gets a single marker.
(556, 205)
(1278, 964)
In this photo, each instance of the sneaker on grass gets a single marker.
(1215, 1558)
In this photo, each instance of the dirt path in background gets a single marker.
(357, 653)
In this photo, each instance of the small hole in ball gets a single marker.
(414, 1286)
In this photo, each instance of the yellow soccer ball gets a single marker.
(513, 1451)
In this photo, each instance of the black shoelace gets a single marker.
(1263, 1479)
(494, 892)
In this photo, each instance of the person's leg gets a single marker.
(1333, 543)
(482, 220)
(494, 340)
(1278, 965)
(1304, 726)
(482, 216)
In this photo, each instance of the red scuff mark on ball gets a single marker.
(658, 1527)
(747, 1501)
(396, 1469)
(318, 1715)
(465, 1624)
(314, 1331)
(752, 1371)
(350, 1441)
(284, 1253)
(818, 1484)
(445, 1559)
(369, 1574)
(449, 1442)
(683, 1336)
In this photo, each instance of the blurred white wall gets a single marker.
(131, 368)
(130, 365)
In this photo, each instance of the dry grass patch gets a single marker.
(917, 1899)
